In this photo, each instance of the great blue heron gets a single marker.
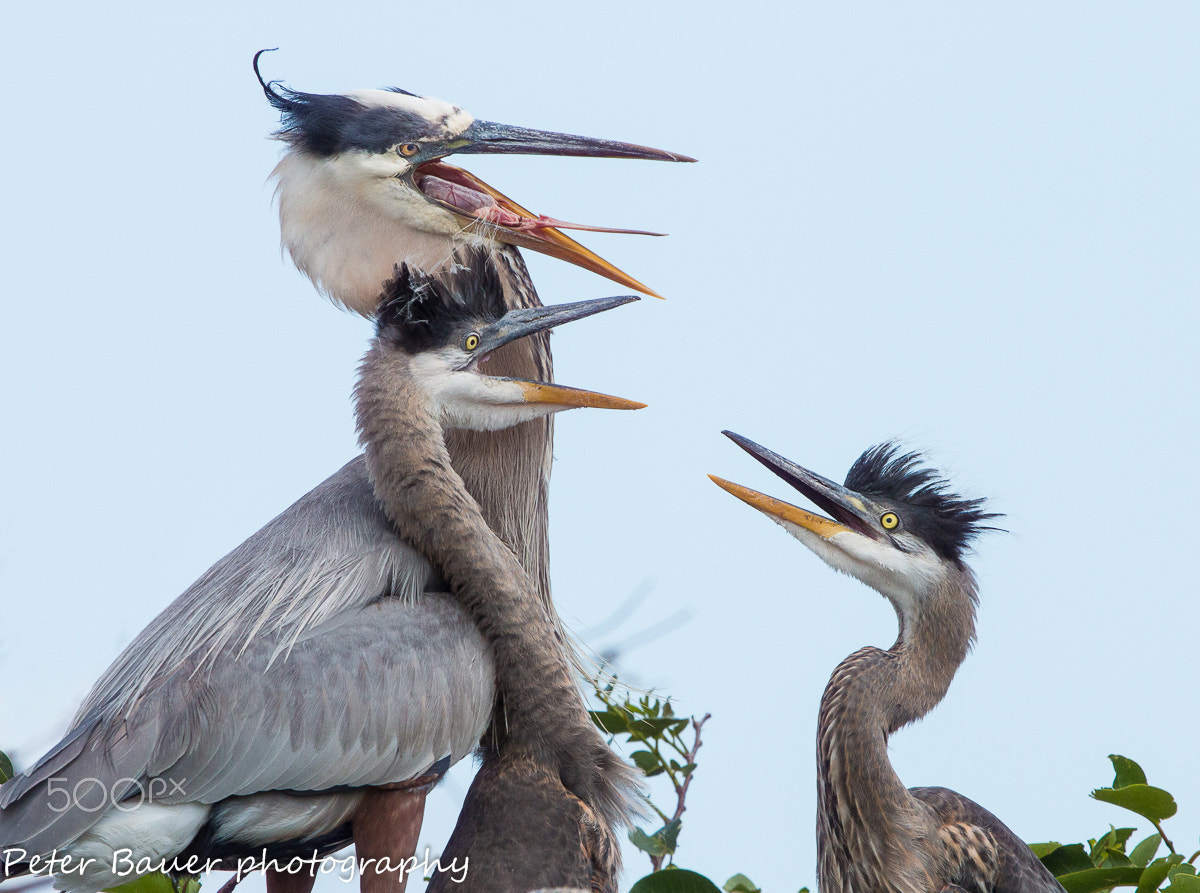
(541, 810)
(363, 188)
(318, 664)
(895, 526)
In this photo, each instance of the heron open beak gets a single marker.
(849, 510)
(526, 321)
(477, 203)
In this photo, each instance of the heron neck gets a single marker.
(543, 714)
(867, 819)
(349, 249)
(508, 471)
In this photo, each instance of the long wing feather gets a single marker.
(310, 657)
(331, 550)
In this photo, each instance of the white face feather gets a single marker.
(346, 221)
(462, 398)
(901, 577)
(450, 119)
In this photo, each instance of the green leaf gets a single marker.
(678, 881)
(1144, 851)
(1067, 859)
(646, 843)
(653, 728)
(612, 722)
(155, 883)
(6, 767)
(669, 834)
(1184, 883)
(1044, 849)
(1150, 802)
(648, 762)
(1093, 879)
(1109, 850)
(1110, 858)
(739, 883)
(1127, 771)
(1155, 873)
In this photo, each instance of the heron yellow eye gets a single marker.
(889, 520)
(408, 150)
(471, 342)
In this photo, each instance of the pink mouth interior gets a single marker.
(447, 187)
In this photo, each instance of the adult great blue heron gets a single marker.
(362, 188)
(896, 527)
(318, 663)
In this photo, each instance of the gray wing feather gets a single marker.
(332, 550)
(311, 657)
(1019, 870)
(416, 680)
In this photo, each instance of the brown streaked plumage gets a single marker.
(542, 808)
(895, 526)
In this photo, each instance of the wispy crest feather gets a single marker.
(948, 521)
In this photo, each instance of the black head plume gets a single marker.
(948, 522)
(328, 124)
(418, 312)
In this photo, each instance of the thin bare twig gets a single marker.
(697, 724)
(228, 886)
(681, 790)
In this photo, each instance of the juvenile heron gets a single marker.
(321, 667)
(896, 527)
(541, 810)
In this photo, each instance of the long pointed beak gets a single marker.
(479, 204)
(849, 510)
(488, 137)
(527, 320)
(520, 323)
(780, 510)
(509, 222)
(558, 395)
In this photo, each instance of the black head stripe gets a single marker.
(419, 312)
(329, 124)
(948, 522)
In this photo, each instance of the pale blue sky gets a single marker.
(972, 229)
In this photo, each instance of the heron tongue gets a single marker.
(452, 187)
(486, 207)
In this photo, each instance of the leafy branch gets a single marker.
(650, 724)
(1104, 863)
(664, 747)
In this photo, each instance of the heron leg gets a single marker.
(386, 827)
